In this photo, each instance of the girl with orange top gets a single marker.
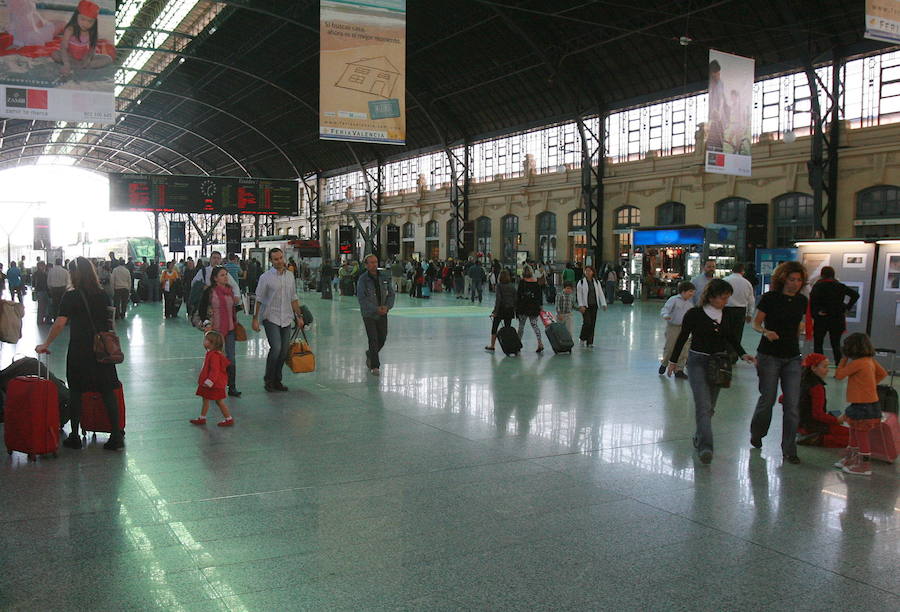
(213, 379)
(79, 41)
(864, 412)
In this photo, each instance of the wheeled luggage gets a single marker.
(326, 289)
(346, 286)
(510, 343)
(887, 394)
(31, 414)
(559, 337)
(884, 440)
(626, 297)
(27, 366)
(93, 413)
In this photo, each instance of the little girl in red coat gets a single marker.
(213, 379)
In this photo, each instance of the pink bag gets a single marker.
(547, 318)
(885, 439)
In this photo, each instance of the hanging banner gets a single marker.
(41, 240)
(393, 240)
(176, 236)
(883, 20)
(57, 61)
(362, 71)
(232, 238)
(345, 239)
(730, 104)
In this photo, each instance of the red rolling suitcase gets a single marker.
(31, 413)
(93, 413)
(885, 439)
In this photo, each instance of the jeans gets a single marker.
(229, 352)
(112, 412)
(153, 289)
(588, 323)
(705, 396)
(771, 370)
(610, 291)
(43, 303)
(279, 343)
(476, 291)
(376, 330)
(121, 297)
(834, 329)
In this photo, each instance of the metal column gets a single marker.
(312, 208)
(459, 200)
(825, 146)
(593, 157)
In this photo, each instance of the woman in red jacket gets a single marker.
(213, 379)
(818, 427)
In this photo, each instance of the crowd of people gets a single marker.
(704, 325)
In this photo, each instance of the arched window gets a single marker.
(733, 211)
(670, 213)
(510, 236)
(483, 236)
(431, 230)
(546, 237)
(793, 218)
(409, 231)
(625, 218)
(882, 202)
(432, 241)
(577, 235)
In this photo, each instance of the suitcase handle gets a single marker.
(893, 354)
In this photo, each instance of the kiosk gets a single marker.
(664, 256)
(766, 262)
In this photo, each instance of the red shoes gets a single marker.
(200, 421)
(226, 423)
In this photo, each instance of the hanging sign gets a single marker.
(393, 240)
(730, 104)
(176, 237)
(41, 234)
(232, 238)
(362, 71)
(883, 20)
(57, 62)
(345, 239)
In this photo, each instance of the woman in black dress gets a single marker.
(83, 373)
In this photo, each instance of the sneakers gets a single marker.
(226, 423)
(858, 466)
(376, 372)
(848, 458)
(199, 421)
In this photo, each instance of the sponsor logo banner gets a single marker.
(362, 71)
(728, 127)
(883, 20)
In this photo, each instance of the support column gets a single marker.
(593, 157)
(824, 147)
(156, 236)
(459, 199)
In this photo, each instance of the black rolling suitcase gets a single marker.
(326, 289)
(887, 394)
(509, 340)
(559, 337)
(625, 297)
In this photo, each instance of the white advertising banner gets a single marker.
(728, 128)
(883, 20)
(57, 60)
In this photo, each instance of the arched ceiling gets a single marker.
(235, 90)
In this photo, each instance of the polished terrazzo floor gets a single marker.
(458, 480)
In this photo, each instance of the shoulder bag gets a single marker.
(11, 315)
(718, 370)
(300, 357)
(107, 348)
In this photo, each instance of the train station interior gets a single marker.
(654, 143)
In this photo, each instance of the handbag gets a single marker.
(11, 315)
(107, 348)
(240, 333)
(718, 370)
(300, 357)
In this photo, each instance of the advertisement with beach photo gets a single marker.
(57, 60)
(362, 71)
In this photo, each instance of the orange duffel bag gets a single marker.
(300, 357)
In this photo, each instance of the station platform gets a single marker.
(457, 480)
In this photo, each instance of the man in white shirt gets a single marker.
(701, 280)
(57, 283)
(120, 280)
(740, 306)
(204, 275)
(279, 307)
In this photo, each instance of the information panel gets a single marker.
(41, 233)
(176, 236)
(203, 194)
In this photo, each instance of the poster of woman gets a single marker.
(57, 60)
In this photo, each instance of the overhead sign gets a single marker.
(41, 234)
(728, 126)
(669, 237)
(362, 71)
(345, 239)
(232, 238)
(203, 194)
(393, 240)
(307, 248)
(177, 240)
(57, 62)
(883, 20)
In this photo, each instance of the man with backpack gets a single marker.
(202, 279)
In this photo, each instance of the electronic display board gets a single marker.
(202, 194)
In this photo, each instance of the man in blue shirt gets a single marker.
(14, 277)
(233, 267)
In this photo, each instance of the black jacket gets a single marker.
(826, 300)
(528, 299)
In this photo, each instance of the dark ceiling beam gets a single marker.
(100, 147)
(267, 13)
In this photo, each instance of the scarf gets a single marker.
(221, 300)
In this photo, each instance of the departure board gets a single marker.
(203, 194)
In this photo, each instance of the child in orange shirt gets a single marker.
(213, 379)
(864, 412)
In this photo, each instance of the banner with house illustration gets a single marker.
(57, 60)
(728, 128)
(883, 20)
(362, 71)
